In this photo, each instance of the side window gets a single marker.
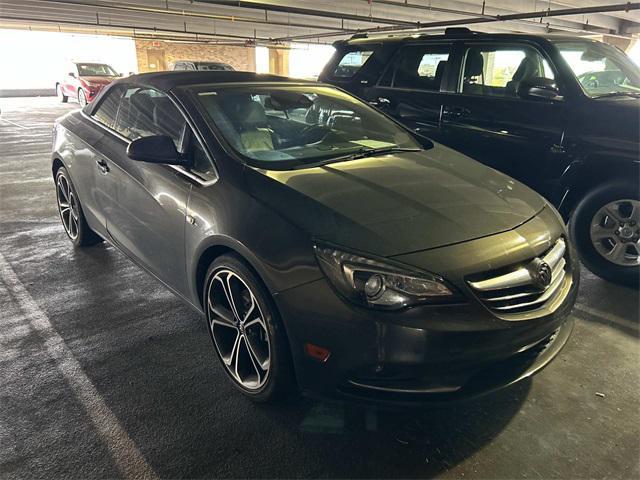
(200, 162)
(420, 67)
(351, 63)
(501, 70)
(108, 108)
(145, 112)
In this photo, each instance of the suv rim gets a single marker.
(238, 329)
(82, 99)
(67, 206)
(615, 232)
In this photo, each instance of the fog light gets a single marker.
(374, 286)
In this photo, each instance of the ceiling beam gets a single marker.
(625, 7)
(272, 7)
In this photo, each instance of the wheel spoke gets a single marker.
(617, 252)
(233, 355)
(612, 213)
(225, 316)
(263, 363)
(63, 190)
(259, 371)
(226, 286)
(598, 234)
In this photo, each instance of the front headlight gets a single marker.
(378, 284)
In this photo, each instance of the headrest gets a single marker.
(252, 114)
(528, 68)
(440, 68)
(474, 64)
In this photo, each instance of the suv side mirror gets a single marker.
(154, 149)
(539, 88)
(71, 74)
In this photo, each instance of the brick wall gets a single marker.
(157, 52)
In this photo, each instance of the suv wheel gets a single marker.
(246, 331)
(606, 230)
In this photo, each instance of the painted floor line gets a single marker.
(607, 316)
(123, 450)
(12, 123)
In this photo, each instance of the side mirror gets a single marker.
(71, 74)
(154, 149)
(539, 88)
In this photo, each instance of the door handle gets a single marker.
(381, 102)
(102, 165)
(455, 112)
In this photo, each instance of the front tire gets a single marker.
(61, 96)
(82, 98)
(605, 227)
(71, 214)
(246, 331)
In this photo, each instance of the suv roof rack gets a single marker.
(458, 31)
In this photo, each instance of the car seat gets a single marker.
(528, 69)
(255, 135)
(473, 68)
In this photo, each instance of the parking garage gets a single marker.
(107, 373)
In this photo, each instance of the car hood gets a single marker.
(398, 203)
(98, 81)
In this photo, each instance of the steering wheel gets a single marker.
(313, 134)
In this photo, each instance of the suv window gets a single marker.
(500, 70)
(108, 108)
(351, 62)
(145, 112)
(418, 67)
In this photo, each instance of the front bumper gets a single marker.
(425, 354)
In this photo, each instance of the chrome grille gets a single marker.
(526, 289)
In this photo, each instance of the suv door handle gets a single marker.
(102, 165)
(455, 112)
(381, 102)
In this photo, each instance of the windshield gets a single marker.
(95, 70)
(292, 126)
(213, 66)
(600, 68)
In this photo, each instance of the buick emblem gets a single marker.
(540, 272)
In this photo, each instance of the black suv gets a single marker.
(558, 113)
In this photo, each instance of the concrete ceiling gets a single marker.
(321, 21)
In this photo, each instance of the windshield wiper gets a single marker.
(361, 153)
(619, 94)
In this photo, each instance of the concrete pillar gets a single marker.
(279, 61)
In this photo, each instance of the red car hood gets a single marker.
(98, 81)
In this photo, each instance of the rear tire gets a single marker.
(605, 229)
(246, 331)
(71, 214)
(63, 98)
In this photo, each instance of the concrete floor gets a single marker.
(104, 373)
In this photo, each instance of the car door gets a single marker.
(70, 82)
(411, 88)
(147, 220)
(96, 188)
(489, 118)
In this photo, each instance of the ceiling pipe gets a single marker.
(621, 7)
(133, 29)
(304, 11)
(184, 13)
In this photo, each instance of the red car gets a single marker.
(84, 81)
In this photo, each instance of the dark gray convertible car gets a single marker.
(330, 249)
